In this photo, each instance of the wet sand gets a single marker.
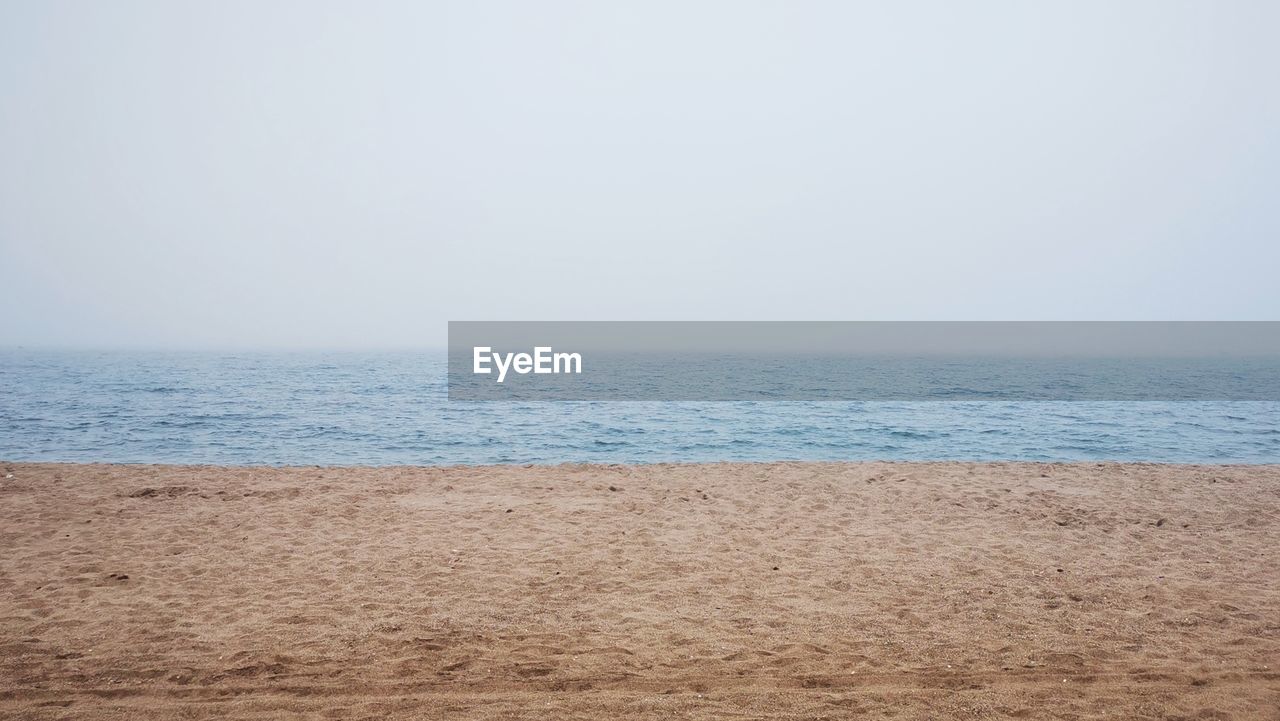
(741, 591)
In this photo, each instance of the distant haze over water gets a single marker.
(392, 408)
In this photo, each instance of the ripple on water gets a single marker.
(392, 408)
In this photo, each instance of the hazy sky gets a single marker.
(354, 174)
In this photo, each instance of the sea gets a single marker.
(392, 408)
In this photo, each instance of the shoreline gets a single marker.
(798, 589)
(165, 465)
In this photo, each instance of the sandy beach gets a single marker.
(744, 591)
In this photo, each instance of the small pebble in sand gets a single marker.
(613, 488)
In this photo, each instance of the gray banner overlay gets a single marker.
(863, 361)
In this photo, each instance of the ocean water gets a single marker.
(392, 408)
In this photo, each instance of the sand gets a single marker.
(727, 591)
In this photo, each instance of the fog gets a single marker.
(354, 175)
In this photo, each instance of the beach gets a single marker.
(732, 590)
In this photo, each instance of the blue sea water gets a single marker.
(392, 408)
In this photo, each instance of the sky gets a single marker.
(354, 175)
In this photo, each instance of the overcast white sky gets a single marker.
(352, 175)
